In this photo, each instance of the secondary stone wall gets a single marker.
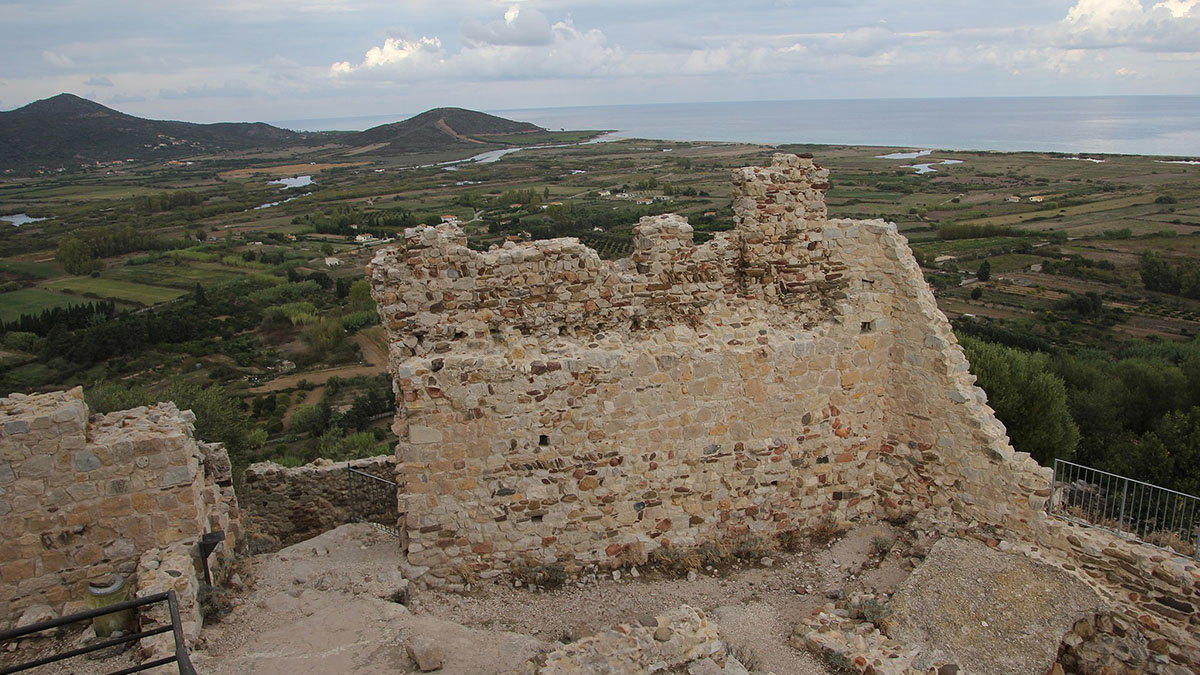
(284, 506)
(80, 497)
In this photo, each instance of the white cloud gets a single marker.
(514, 48)
(396, 54)
(520, 26)
(98, 82)
(1173, 25)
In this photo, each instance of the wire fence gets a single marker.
(373, 500)
(1155, 515)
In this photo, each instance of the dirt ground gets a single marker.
(338, 603)
(374, 357)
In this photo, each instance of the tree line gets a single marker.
(1134, 413)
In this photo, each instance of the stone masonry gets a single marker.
(553, 407)
(283, 506)
(556, 406)
(82, 497)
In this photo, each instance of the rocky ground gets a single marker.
(338, 603)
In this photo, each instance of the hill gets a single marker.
(66, 130)
(441, 129)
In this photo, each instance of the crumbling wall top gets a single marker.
(434, 289)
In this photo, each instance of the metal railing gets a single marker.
(180, 657)
(1155, 515)
(373, 501)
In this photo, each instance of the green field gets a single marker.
(37, 270)
(33, 301)
(183, 277)
(139, 294)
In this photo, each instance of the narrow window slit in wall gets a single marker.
(543, 440)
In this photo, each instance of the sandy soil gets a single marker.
(333, 604)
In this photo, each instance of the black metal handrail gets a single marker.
(180, 657)
(372, 500)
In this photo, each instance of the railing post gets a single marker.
(350, 491)
(1053, 488)
(1124, 494)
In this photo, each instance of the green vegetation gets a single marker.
(1073, 286)
(124, 291)
(33, 301)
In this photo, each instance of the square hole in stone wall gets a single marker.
(543, 440)
(867, 326)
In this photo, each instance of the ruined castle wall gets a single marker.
(80, 497)
(283, 506)
(562, 408)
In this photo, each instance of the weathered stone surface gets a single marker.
(557, 408)
(638, 648)
(986, 611)
(284, 506)
(77, 505)
(425, 653)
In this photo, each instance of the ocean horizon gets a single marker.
(1140, 125)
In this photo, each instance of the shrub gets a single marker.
(546, 576)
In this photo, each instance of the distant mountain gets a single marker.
(441, 129)
(67, 130)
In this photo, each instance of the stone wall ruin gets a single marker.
(556, 408)
(555, 405)
(82, 496)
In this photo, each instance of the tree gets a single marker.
(198, 295)
(360, 295)
(976, 293)
(325, 336)
(1027, 397)
(1157, 274)
(75, 255)
(985, 271)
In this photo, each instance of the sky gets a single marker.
(243, 60)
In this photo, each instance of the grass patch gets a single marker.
(138, 294)
(37, 270)
(33, 301)
(176, 276)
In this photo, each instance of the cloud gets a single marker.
(396, 54)
(514, 48)
(55, 59)
(571, 52)
(1172, 25)
(228, 90)
(98, 82)
(864, 42)
(520, 26)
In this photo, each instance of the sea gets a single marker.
(1141, 125)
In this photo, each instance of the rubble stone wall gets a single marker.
(556, 407)
(563, 408)
(84, 496)
(284, 505)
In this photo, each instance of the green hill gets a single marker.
(67, 130)
(441, 129)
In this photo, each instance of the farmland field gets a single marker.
(33, 301)
(139, 294)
